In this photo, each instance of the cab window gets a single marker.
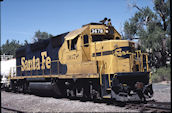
(96, 38)
(73, 43)
(68, 44)
(86, 41)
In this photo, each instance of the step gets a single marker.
(107, 96)
(108, 89)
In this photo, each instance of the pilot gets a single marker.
(103, 21)
(109, 22)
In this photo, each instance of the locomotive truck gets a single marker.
(92, 62)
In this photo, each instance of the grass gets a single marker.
(162, 74)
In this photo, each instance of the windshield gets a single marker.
(96, 38)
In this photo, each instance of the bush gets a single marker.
(162, 74)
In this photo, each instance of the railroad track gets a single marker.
(151, 106)
(7, 109)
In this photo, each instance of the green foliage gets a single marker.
(153, 30)
(161, 74)
(152, 37)
(41, 36)
(130, 30)
(138, 22)
(162, 8)
(9, 48)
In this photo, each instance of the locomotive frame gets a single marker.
(92, 62)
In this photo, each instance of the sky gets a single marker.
(20, 19)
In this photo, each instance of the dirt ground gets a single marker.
(33, 103)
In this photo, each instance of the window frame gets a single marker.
(86, 44)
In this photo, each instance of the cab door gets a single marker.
(86, 48)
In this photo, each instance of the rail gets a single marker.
(12, 109)
(150, 106)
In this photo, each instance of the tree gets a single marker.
(130, 30)
(162, 8)
(41, 36)
(153, 30)
(9, 48)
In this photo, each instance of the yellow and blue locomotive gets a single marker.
(91, 62)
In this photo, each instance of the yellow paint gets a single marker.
(23, 64)
(43, 54)
(150, 77)
(58, 76)
(87, 57)
(101, 73)
(48, 62)
(109, 80)
(113, 63)
(106, 96)
(35, 64)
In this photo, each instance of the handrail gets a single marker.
(109, 80)
(101, 73)
(150, 77)
(95, 51)
(147, 66)
(131, 61)
(142, 70)
(84, 52)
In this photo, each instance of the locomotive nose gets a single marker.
(148, 91)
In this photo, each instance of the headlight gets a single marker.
(107, 31)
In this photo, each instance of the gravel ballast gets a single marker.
(33, 103)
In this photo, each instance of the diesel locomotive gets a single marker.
(92, 62)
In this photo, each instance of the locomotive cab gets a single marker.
(99, 49)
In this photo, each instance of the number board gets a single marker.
(97, 31)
